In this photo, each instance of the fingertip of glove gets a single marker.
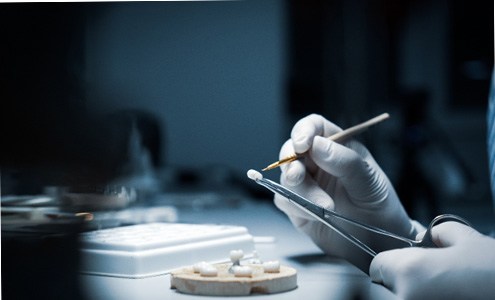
(375, 269)
(301, 143)
(293, 177)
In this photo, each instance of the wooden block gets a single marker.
(226, 284)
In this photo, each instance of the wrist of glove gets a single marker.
(463, 268)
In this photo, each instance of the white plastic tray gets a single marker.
(157, 248)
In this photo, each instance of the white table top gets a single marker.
(319, 276)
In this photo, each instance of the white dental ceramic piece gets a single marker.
(254, 175)
(197, 266)
(271, 266)
(208, 270)
(243, 271)
(236, 255)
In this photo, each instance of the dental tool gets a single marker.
(328, 217)
(351, 131)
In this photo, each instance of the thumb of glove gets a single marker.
(450, 233)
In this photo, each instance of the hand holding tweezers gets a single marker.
(327, 217)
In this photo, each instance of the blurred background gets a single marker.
(184, 97)
(92, 91)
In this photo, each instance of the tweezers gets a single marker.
(327, 217)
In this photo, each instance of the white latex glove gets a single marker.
(344, 178)
(463, 269)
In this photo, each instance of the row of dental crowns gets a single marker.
(209, 270)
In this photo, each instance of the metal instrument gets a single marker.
(328, 218)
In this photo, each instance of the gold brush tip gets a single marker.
(336, 137)
(276, 164)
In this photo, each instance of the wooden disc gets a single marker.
(227, 284)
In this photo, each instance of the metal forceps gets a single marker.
(325, 216)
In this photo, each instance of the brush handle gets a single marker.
(351, 131)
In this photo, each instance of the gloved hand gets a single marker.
(463, 269)
(342, 177)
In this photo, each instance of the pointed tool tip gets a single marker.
(272, 166)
